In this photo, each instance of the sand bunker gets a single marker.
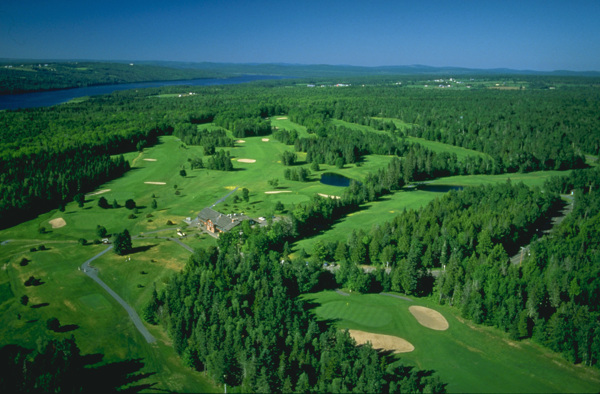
(265, 139)
(379, 341)
(149, 159)
(57, 223)
(329, 196)
(278, 191)
(282, 118)
(98, 192)
(155, 183)
(429, 318)
(247, 160)
(240, 141)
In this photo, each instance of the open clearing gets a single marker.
(429, 318)
(57, 223)
(385, 342)
(246, 160)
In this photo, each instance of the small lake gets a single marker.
(438, 188)
(333, 179)
(55, 97)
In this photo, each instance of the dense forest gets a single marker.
(237, 311)
(240, 317)
(500, 124)
(20, 77)
(552, 296)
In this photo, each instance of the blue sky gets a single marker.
(538, 35)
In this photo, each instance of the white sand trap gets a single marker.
(149, 159)
(98, 192)
(240, 141)
(57, 223)
(282, 118)
(380, 341)
(329, 196)
(246, 160)
(278, 191)
(429, 318)
(155, 183)
(265, 140)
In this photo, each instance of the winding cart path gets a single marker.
(135, 318)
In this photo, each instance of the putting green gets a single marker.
(470, 358)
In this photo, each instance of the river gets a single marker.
(55, 97)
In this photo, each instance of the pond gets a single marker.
(333, 179)
(438, 188)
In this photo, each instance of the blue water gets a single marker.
(55, 97)
(332, 179)
(438, 188)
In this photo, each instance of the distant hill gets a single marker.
(20, 76)
(323, 70)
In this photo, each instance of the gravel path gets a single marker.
(93, 273)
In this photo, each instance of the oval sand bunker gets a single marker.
(429, 318)
(380, 341)
(57, 223)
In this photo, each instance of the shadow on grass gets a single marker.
(67, 328)
(81, 373)
(141, 249)
(43, 304)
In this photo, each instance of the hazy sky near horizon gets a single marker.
(525, 34)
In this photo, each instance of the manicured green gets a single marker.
(468, 357)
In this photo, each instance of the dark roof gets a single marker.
(221, 221)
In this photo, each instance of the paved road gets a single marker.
(93, 273)
(553, 221)
(224, 198)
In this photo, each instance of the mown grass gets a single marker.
(102, 325)
(438, 147)
(99, 324)
(468, 357)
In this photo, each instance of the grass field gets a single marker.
(97, 321)
(434, 146)
(469, 358)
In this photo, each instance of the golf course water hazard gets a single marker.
(439, 188)
(333, 179)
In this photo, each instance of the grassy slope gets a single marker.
(470, 358)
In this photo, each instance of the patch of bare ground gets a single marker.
(429, 318)
(380, 341)
(57, 223)
(98, 192)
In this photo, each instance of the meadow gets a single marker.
(470, 358)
